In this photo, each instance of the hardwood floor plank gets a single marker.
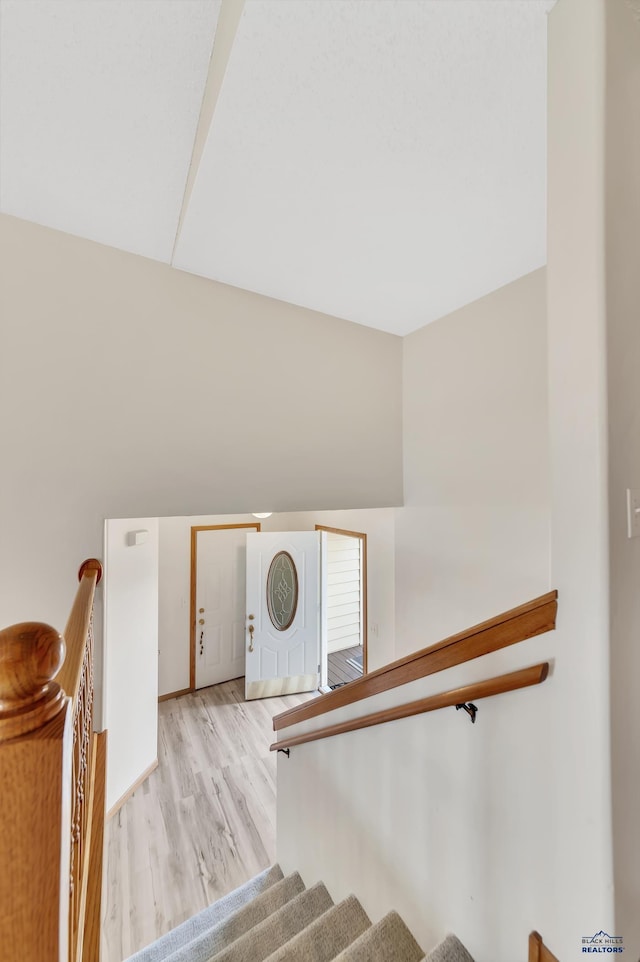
(202, 824)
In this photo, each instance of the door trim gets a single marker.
(363, 572)
(192, 602)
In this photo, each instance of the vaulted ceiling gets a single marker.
(379, 160)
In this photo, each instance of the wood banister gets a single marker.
(34, 806)
(76, 677)
(538, 951)
(533, 618)
(77, 629)
(523, 678)
(52, 769)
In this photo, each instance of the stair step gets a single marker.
(211, 916)
(450, 949)
(235, 926)
(276, 930)
(325, 938)
(389, 940)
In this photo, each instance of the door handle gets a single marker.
(201, 642)
(251, 631)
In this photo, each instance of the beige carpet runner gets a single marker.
(277, 919)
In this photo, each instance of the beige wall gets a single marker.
(581, 865)
(622, 164)
(130, 389)
(451, 814)
(472, 538)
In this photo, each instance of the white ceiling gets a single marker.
(99, 104)
(379, 160)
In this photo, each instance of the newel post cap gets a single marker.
(31, 655)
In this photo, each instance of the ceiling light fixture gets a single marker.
(262, 514)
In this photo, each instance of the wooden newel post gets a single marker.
(35, 776)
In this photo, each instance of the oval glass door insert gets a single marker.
(282, 590)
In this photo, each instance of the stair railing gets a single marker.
(532, 618)
(454, 698)
(52, 771)
(538, 951)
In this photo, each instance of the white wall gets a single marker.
(623, 353)
(434, 816)
(174, 579)
(473, 536)
(578, 758)
(131, 653)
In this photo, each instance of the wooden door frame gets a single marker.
(363, 576)
(194, 573)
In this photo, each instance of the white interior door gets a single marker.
(220, 605)
(282, 626)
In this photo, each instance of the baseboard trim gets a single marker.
(175, 694)
(127, 795)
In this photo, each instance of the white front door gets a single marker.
(282, 628)
(220, 601)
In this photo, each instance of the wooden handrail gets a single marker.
(77, 629)
(52, 769)
(76, 677)
(538, 951)
(533, 618)
(445, 699)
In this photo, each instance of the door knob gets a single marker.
(251, 631)
(201, 621)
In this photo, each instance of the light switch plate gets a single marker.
(633, 512)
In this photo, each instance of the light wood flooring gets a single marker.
(339, 669)
(203, 822)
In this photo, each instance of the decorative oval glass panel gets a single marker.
(282, 591)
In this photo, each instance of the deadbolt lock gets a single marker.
(201, 610)
(250, 617)
(201, 621)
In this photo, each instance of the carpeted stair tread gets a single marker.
(389, 940)
(327, 936)
(205, 920)
(450, 949)
(275, 931)
(234, 927)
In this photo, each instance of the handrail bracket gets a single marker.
(470, 709)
